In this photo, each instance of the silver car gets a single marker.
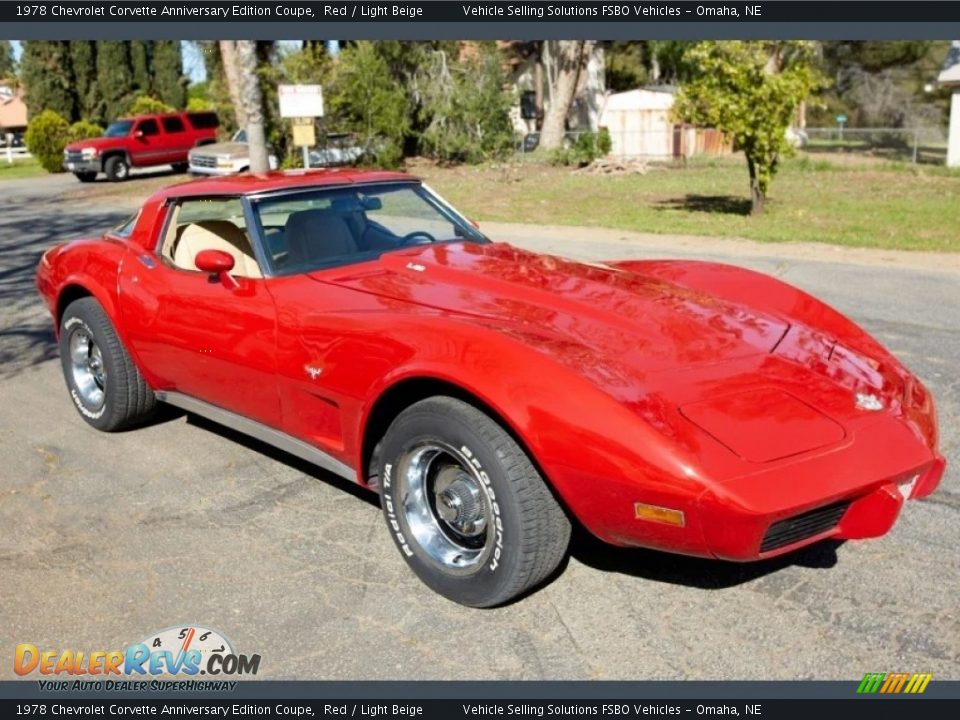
(226, 158)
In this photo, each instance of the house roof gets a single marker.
(13, 112)
(950, 75)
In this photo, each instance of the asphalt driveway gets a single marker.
(106, 538)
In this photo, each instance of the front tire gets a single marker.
(105, 385)
(466, 507)
(117, 168)
(86, 177)
(181, 168)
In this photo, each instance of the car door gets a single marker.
(197, 335)
(176, 139)
(147, 147)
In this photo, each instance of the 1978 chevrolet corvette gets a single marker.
(492, 396)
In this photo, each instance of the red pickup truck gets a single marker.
(141, 141)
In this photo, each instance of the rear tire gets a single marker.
(465, 505)
(105, 385)
(117, 168)
(86, 177)
(181, 167)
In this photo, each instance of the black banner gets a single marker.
(449, 11)
(875, 709)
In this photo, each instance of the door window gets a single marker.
(172, 124)
(149, 127)
(209, 224)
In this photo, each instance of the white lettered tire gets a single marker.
(465, 506)
(104, 383)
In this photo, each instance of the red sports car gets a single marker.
(490, 395)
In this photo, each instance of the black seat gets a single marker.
(313, 236)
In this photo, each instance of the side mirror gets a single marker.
(138, 134)
(219, 263)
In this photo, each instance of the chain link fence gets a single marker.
(916, 145)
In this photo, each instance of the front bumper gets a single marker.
(86, 165)
(213, 171)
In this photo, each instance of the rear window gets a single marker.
(172, 124)
(204, 120)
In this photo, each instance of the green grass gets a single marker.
(835, 200)
(28, 167)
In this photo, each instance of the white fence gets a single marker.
(12, 154)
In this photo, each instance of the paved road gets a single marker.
(104, 539)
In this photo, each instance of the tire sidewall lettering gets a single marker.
(68, 327)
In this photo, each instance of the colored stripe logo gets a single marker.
(894, 683)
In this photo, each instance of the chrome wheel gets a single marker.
(446, 505)
(89, 373)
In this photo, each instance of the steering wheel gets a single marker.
(409, 238)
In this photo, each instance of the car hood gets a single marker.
(227, 149)
(583, 313)
(100, 143)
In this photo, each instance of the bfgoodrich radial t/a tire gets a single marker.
(106, 387)
(467, 509)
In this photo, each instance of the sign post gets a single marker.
(841, 120)
(302, 103)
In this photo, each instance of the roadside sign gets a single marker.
(301, 101)
(841, 119)
(303, 132)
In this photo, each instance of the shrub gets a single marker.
(46, 137)
(588, 147)
(466, 109)
(146, 105)
(82, 130)
(199, 104)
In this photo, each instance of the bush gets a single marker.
(588, 147)
(366, 99)
(466, 108)
(82, 130)
(199, 104)
(146, 105)
(46, 137)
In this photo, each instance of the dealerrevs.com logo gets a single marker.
(177, 651)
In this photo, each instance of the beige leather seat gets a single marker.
(215, 235)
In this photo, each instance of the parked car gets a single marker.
(492, 396)
(339, 149)
(141, 141)
(227, 158)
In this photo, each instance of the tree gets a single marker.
(749, 90)
(465, 106)
(8, 66)
(46, 72)
(566, 61)
(245, 57)
(169, 82)
(231, 75)
(115, 77)
(141, 52)
(369, 101)
(83, 57)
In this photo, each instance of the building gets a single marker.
(13, 110)
(641, 125)
(950, 78)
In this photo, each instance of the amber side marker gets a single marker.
(655, 513)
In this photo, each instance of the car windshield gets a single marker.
(120, 128)
(240, 136)
(319, 228)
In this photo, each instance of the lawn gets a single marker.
(19, 169)
(852, 202)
